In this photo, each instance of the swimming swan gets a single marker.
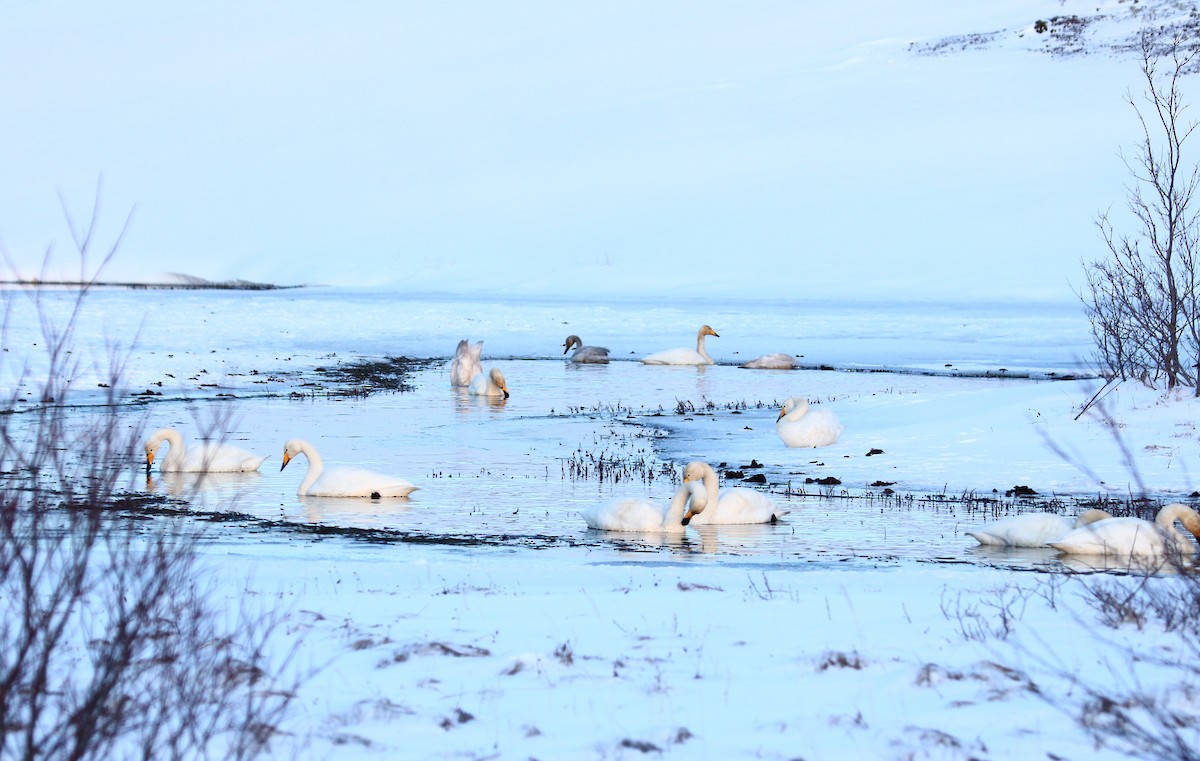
(685, 356)
(1032, 529)
(465, 365)
(771, 362)
(489, 384)
(799, 426)
(203, 458)
(341, 481)
(585, 354)
(1134, 537)
(737, 505)
(636, 514)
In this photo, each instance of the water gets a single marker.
(501, 473)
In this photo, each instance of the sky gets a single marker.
(683, 148)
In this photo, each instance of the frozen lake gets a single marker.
(515, 473)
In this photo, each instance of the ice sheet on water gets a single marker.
(208, 341)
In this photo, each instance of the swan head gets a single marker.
(707, 331)
(290, 450)
(794, 404)
(154, 443)
(572, 341)
(694, 474)
(498, 380)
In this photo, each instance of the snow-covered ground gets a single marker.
(840, 201)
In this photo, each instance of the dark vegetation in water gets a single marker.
(367, 377)
(186, 283)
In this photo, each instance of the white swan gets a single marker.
(341, 481)
(489, 384)
(799, 426)
(771, 362)
(1134, 537)
(585, 354)
(203, 458)
(1033, 529)
(737, 505)
(636, 514)
(685, 356)
(465, 365)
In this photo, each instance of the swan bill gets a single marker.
(286, 459)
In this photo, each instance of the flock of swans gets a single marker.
(699, 500)
(1096, 532)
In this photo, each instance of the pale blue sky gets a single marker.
(772, 148)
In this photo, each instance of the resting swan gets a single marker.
(635, 514)
(1134, 537)
(203, 458)
(489, 384)
(771, 362)
(585, 354)
(685, 356)
(726, 506)
(465, 365)
(342, 481)
(1032, 529)
(799, 426)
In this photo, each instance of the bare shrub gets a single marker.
(112, 642)
(1142, 298)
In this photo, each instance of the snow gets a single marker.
(859, 626)
(827, 182)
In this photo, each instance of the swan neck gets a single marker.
(712, 485)
(675, 511)
(315, 466)
(700, 347)
(176, 448)
(1185, 515)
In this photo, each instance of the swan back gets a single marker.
(799, 426)
(637, 514)
(585, 354)
(342, 481)
(1028, 530)
(740, 505)
(685, 356)
(1088, 517)
(207, 457)
(771, 362)
(1134, 537)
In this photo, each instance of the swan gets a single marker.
(465, 365)
(771, 362)
(585, 354)
(1033, 529)
(636, 514)
(799, 426)
(489, 384)
(342, 481)
(685, 356)
(726, 506)
(204, 458)
(1134, 537)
